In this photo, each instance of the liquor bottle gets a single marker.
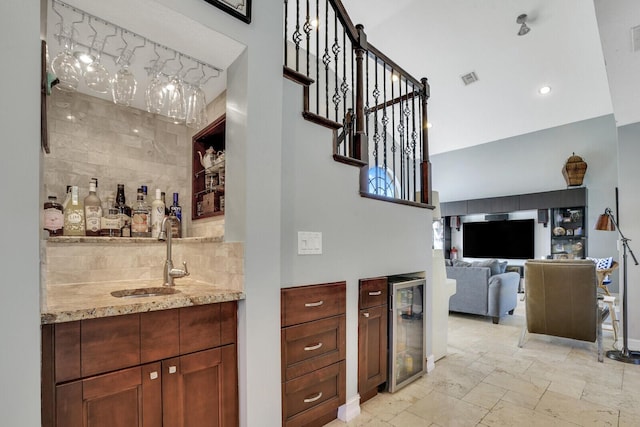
(124, 212)
(110, 221)
(53, 217)
(67, 198)
(176, 217)
(157, 214)
(92, 211)
(140, 217)
(74, 215)
(164, 200)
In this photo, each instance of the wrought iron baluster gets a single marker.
(407, 140)
(413, 138)
(385, 118)
(393, 131)
(344, 87)
(307, 28)
(286, 28)
(326, 58)
(317, 18)
(297, 36)
(336, 53)
(401, 137)
(376, 130)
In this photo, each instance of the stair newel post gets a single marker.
(360, 149)
(426, 163)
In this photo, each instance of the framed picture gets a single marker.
(241, 9)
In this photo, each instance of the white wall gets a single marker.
(361, 238)
(533, 163)
(19, 166)
(629, 176)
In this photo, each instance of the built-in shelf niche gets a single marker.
(207, 199)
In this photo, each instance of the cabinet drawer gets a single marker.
(312, 396)
(373, 292)
(313, 302)
(312, 345)
(109, 343)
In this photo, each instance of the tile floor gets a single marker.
(486, 380)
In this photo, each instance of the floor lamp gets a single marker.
(606, 222)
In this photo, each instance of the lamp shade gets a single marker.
(605, 223)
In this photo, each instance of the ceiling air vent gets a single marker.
(469, 78)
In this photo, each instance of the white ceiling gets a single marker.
(443, 40)
(154, 22)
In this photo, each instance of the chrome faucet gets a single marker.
(169, 272)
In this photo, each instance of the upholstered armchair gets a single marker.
(561, 300)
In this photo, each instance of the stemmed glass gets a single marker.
(96, 75)
(177, 101)
(123, 84)
(196, 116)
(65, 66)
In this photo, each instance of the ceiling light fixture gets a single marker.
(544, 90)
(522, 20)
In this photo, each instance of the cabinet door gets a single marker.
(372, 349)
(200, 389)
(127, 398)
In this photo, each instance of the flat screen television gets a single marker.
(511, 239)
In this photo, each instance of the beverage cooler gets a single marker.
(406, 344)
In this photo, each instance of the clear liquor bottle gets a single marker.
(140, 217)
(92, 211)
(74, 215)
(111, 220)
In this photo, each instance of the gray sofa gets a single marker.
(483, 288)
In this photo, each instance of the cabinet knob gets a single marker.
(313, 347)
(375, 293)
(365, 314)
(153, 375)
(314, 398)
(314, 304)
(172, 369)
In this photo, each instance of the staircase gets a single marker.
(377, 111)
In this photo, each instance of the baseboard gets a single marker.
(349, 410)
(431, 363)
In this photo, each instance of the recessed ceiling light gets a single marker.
(544, 90)
(394, 77)
(429, 125)
(315, 23)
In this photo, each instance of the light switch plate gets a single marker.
(309, 243)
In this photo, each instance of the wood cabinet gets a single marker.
(164, 368)
(372, 336)
(208, 185)
(313, 353)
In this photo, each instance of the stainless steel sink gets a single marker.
(144, 292)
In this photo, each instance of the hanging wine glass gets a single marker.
(96, 75)
(156, 96)
(65, 66)
(177, 102)
(124, 84)
(196, 116)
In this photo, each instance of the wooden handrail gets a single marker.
(394, 66)
(344, 18)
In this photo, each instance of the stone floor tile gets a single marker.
(506, 414)
(575, 410)
(485, 395)
(407, 419)
(446, 410)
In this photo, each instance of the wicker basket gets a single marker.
(574, 170)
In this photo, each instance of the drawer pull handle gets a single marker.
(314, 398)
(365, 314)
(172, 369)
(314, 304)
(153, 375)
(375, 293)
(313, 347)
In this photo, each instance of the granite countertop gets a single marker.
(66, 303)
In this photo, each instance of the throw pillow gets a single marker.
(503, 266)
(493, 265)
(602, 263)
(461, 263)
